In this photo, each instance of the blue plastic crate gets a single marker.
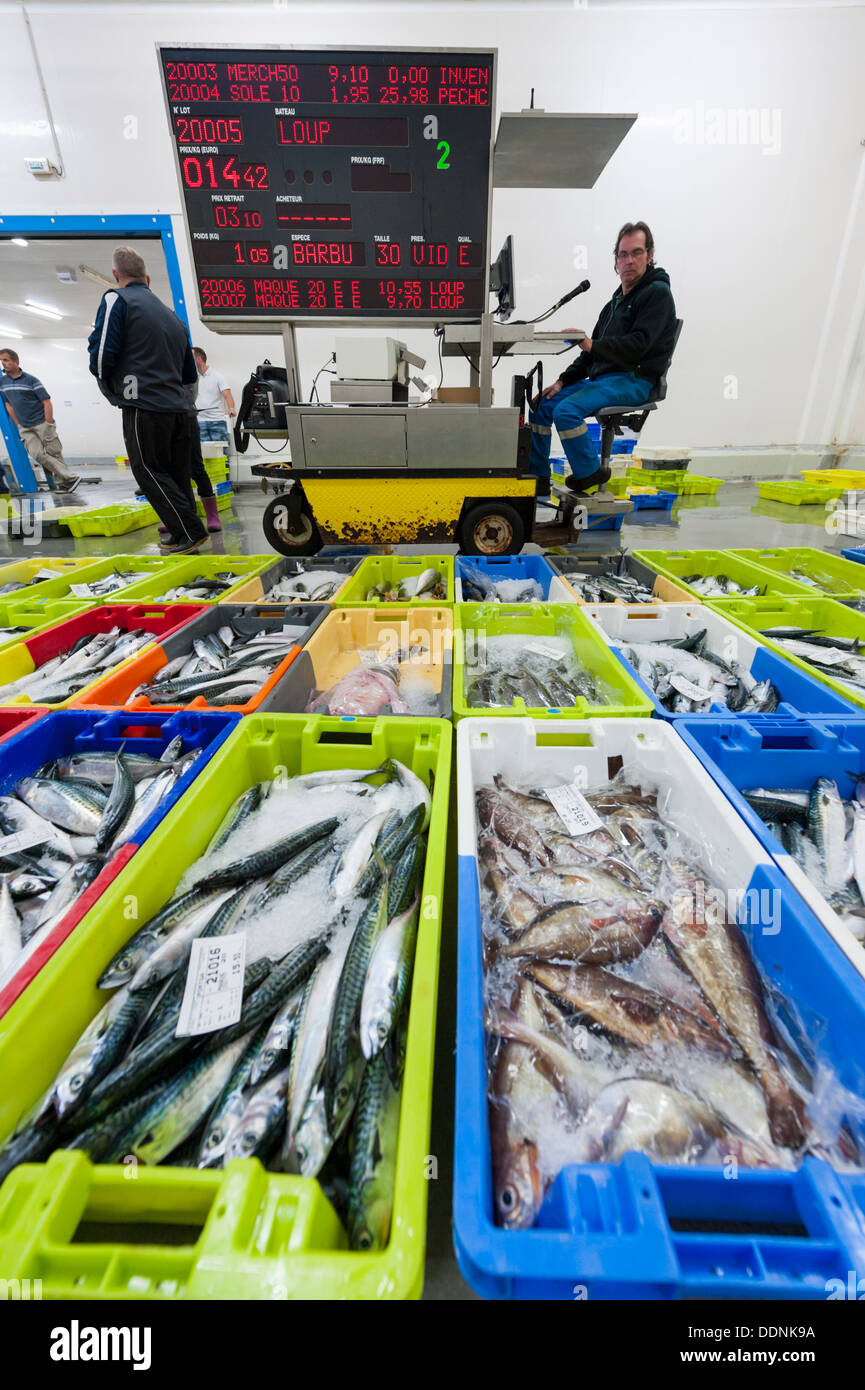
(63, 732)
(505, 567)
(746, 753)
(614, 1231)
(856, 553)
(623, 446)
(649, 500)
(800, 693)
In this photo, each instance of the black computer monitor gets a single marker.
(502, 282)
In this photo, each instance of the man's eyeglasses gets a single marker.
(631, 255)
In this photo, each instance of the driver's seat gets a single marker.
(613, 418)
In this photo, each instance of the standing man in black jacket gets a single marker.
(629, 350)
(141, 356)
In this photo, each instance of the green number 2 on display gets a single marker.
(443, 158)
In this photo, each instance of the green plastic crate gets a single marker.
(668, 479)
(697, 485)
(539, 620)
(151, 566)
(390, 569)
(111, 521)
(825, 614)
(263, 1235)
(799, 494)
(675, 564)
(833, 575)
(18, 615)
(185, 570)
(22, 571)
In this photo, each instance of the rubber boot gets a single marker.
(211, 515)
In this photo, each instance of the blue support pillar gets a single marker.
(19, 460)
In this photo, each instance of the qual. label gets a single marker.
(689, 689)
(81, 590)
(213, 996)
(824, 656)
(540, 649)
(574, 810)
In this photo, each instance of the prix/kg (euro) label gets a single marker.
(574, 810)
(214, 985)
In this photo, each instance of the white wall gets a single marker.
(763, 240)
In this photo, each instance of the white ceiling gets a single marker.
(31, 273)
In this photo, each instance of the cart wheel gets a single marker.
(304, 539)
(492, 528)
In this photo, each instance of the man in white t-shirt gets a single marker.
(214, 398)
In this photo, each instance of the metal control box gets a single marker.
(444, 439)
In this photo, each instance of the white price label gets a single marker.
(49, 574)
(213, 997)
(23, 839)
(541, 649)
(81, 590)
(574, 810)
(826, 656)
(689, 689)
(372, 656)
(292, 630)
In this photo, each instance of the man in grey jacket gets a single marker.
(141, 356)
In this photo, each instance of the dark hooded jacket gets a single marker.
(634, 333)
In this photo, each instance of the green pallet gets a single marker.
(799, 494)
(151, 566)
(185, 570)
(675, 564)
(834, 576)
(389, 569)
(539, 620)
(263, 1235)
(825, 614)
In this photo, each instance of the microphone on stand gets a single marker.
(580, 289)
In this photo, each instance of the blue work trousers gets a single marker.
(567, 410)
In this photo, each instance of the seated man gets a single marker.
(620, 364)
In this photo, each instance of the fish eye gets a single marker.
(364, 1240)
(76, 1083)
(508, 1199)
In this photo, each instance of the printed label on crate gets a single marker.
(292, 630)
(688, 688)
(213, 997)
(21, 840)
(574, 810)
(541, 649)
(829, 656)
(49, 574)
(81, 590)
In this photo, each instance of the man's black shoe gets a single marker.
(598, 479)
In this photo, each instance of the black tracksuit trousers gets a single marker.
(157, 443)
